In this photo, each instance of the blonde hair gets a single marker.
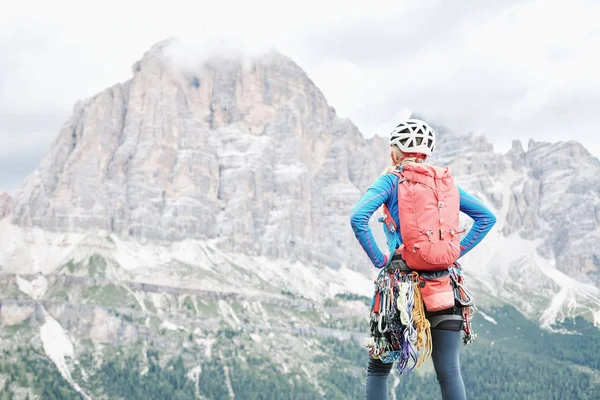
(403, 159)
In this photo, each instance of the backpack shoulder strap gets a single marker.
(393, 230)
(401, 177)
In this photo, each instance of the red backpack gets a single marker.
(428, 210)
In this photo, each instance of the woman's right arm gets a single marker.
(373, 198)
(483, 220)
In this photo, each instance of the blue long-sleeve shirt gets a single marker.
(385, 191)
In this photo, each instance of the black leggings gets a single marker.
(446, 345)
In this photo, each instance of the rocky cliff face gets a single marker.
(559, 203)
(548, 194)
(250, 155)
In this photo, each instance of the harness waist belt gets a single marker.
(450, 322)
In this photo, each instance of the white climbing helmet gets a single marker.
(414, 136)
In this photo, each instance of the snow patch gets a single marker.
(596, 315)
(30, 251)
(350, 281)
(58, 348)
(227, 379)
(256, 338)
(488, 318)
(194, 375)
(207, 343)
(35, 288)
(226, 310)
(510, 268)
(171, 327)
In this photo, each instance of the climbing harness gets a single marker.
(401, 324)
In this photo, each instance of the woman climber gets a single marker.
(421, 209)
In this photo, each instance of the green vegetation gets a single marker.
(110, 295)
(334, 302)
(10, 290)
(330, 303)
(70, 266)
(188, 303)
(259, 378)
(514, 357)
(515, 332)
(511, 359)
(353, 297)
(97, 266)
(28, 368)
(212, 381)
(124, 380)
(21, 328)
(58, 292)
(490, 371)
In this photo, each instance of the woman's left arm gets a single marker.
(483, 220)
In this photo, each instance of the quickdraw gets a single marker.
(399, 330)
(465, 299)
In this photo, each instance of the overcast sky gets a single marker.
(504, 69)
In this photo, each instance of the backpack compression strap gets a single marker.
(387, 216)
(391, 233)
(388, 220)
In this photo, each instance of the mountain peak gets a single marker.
(517, 147)
(516, 154)
(226, 75)
(215, 51)
(161, 46)
(568, 153)
(206, 146)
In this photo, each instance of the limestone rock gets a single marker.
(248, 154)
